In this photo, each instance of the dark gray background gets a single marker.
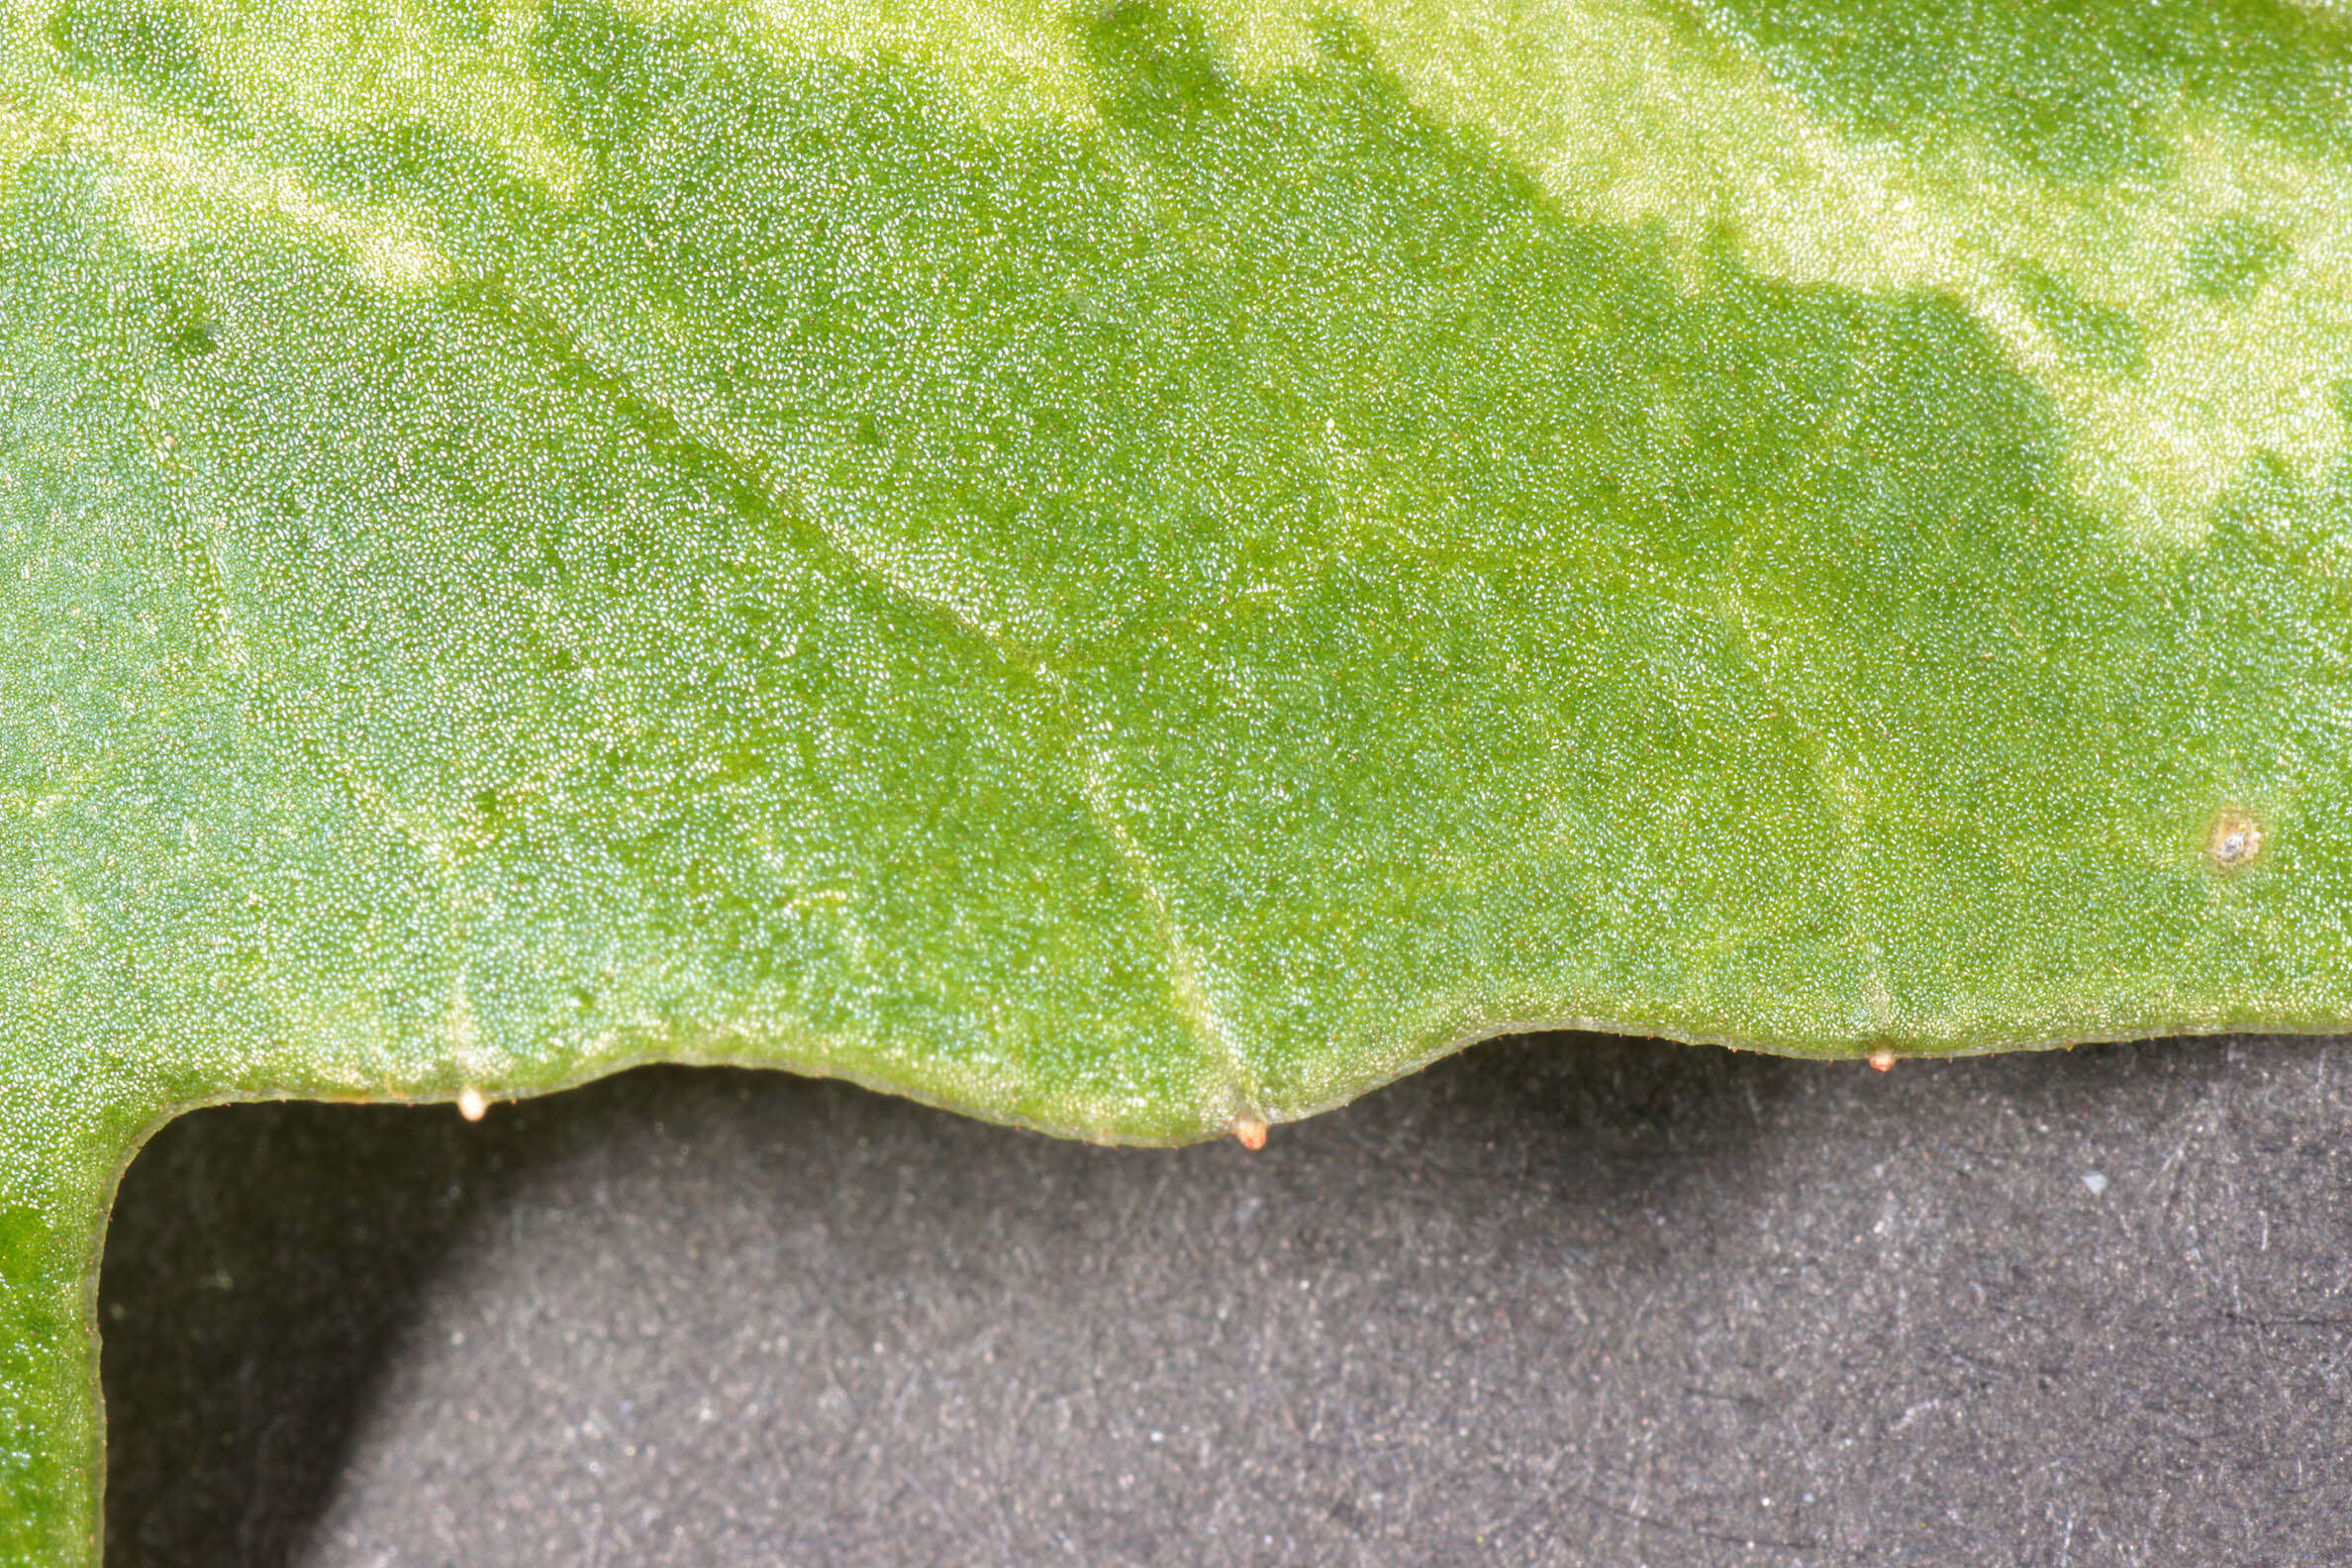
(1561, 1300)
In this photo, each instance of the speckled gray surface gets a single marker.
(1568, 1299)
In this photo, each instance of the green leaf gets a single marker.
(1141, 572)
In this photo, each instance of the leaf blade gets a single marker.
(1142, 607)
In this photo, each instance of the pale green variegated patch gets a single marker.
(1139, 570)
(169, 185)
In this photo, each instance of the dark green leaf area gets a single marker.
(2093, 336)
(1125, 623)
(580, 735)
(38, 1320)
(148, 47)
(2082, 89)
(2231, 260)
(1411, 538)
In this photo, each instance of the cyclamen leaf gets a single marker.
(1142, 573)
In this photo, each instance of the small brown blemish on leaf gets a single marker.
(2234, 838)
(470, 1104)
(1883, 1059)
(1250, 1133)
